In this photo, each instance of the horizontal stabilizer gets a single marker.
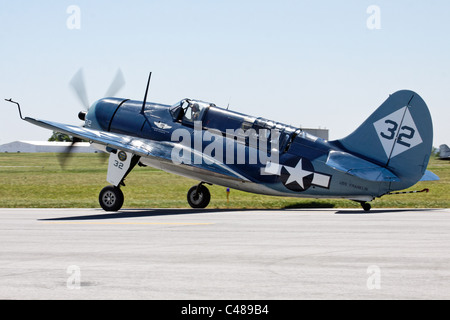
(429, 176)
(358, 167)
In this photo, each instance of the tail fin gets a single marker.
(397, 136)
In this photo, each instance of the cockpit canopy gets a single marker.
(224, 121)
(188, 110)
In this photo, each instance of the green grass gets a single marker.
(38, 181)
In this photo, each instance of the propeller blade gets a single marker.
(78, 85)
(103, 157)
(68, 152)
(116, 84)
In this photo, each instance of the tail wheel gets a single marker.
(198, 197)
(111, 198)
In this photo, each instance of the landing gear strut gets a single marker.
(198, 196)
(120, 165)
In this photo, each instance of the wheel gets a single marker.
(366, 206)
(111, 198)
(198, 197)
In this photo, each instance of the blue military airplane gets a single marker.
(199, 140)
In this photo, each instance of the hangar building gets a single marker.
(45, 146)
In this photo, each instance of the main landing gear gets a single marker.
(366, 206)
(198, 196)
(111, 198)
(120, 165)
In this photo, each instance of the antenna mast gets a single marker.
(146, 93)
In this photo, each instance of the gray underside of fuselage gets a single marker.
(243, 184)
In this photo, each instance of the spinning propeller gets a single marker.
(78, 85)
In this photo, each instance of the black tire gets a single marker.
(198, 197)
(111, 198)
(366, 206)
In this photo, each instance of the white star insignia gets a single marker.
(297, 174)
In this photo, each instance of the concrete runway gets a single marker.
(219, 254)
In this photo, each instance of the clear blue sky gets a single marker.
(305, 63)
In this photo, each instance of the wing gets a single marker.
(160, 150)
(141, 147)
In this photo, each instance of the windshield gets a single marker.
(188, 110)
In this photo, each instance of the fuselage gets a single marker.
(231, 149)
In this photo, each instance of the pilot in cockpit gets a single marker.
(195, 112)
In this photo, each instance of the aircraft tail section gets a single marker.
(398, 136)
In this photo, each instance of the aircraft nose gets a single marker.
(101, 113)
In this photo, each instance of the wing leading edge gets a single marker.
(160, 150)
(141, 147)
